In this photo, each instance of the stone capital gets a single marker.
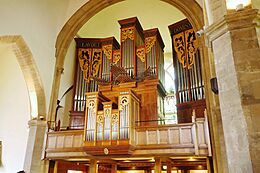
(234, 20)
(36, 122)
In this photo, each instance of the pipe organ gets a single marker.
(94, 57)
(187, 64)
(118, 86)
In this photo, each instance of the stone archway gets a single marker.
(190, 8)
(30, 72)
(83, 14)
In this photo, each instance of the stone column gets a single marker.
(214, 115)
(237, 62)
(35, 148)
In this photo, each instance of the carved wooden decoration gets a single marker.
(140, 53)
(116, 56)
(186, 45)
(127, 33)
(107, 49)
(84, 56)
(149, 43)
(96, 62)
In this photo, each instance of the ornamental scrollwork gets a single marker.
(96, 62)
(127, 33)
(186, 45)
(84, 57)
(149, 43)
(140, 53)
(91, 104)
(123, 102)
(100, 119)
(107, 112)
(107, 49)
(191, 47)
(179, 47)
(114, 119)
(116, 57)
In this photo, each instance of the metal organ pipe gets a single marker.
(79, 93)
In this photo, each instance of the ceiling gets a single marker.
(151, 14)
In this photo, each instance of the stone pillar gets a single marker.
(158, 165)
(213, 110)
(237, 63)
(35, 148)
(93, 167)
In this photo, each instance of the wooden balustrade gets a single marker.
(193, 135)
(64, 142)
(178, 139)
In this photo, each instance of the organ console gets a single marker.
(189, 84)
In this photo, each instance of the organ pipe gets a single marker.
(187, 63)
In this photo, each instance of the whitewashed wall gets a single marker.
(14, 112)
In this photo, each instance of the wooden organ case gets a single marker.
(118, 87)
(187, 65)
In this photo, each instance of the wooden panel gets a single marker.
(77, 120)
(184, 110)
(152, 137)
(175, 136)
(68, 141)
(186, 136)
(51, 142)
(164, 136)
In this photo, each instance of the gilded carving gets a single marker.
(84, 56)
(179, 47)
(100, 119)
(114, 119)
(107, 49)
(107, 112)
(123, 102)
(149, 43)
(186, 45)
(127, 33)
(116, 57)
(96, 62)
(91, 104)
(191, 47)
(140, 54)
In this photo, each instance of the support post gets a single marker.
(158, 165)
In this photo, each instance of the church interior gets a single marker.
(130, 86)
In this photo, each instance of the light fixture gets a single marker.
(237, 4)
(164, 167)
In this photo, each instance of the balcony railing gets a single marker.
(179, 139)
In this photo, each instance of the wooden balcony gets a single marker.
(190, 139)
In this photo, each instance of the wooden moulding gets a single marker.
(154, 32)
(132, 22)
(96, 42)
(108, 148)
(180, 26)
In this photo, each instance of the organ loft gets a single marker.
(118, 100)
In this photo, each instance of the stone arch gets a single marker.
(88, 10)
(78, 19)
(30, 72)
